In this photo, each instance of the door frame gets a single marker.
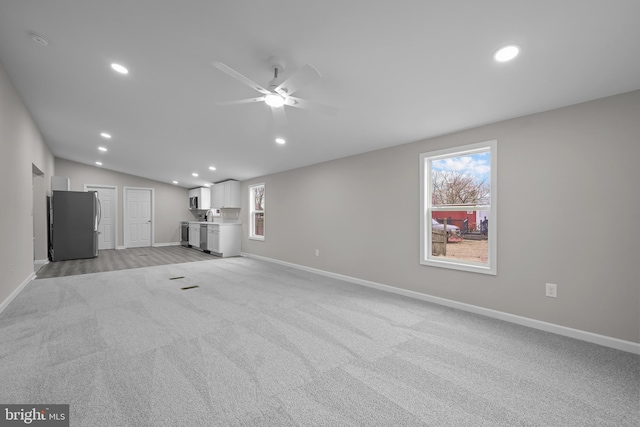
(125, 212)
(115, 206)
(39, 218)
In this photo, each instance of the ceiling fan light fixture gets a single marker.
(274, 100)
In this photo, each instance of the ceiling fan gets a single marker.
(277, 95)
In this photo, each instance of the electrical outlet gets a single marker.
(551, 290)
(317, 252)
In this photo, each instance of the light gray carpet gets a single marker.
(259, 344)
(123, 259)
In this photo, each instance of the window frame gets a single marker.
(427, 209)
(253, 211)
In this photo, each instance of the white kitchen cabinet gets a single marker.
(224, 239)
(194, 235)
(226, 194)
(215, 196)
(213, 238)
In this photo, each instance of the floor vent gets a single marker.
(143, 255)
(190, 287)
(176, 278)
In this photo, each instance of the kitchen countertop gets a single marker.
(213, 223)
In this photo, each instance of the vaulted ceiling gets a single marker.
(397, 71)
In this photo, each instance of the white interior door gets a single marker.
(138, 217)
(108, 197)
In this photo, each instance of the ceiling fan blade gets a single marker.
(279, 116)
(299, 79)
(242, 101)
(236, 75)
(308, 105)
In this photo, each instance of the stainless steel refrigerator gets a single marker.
(73, 225)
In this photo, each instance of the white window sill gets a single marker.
(455, 265)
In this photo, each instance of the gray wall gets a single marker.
(21, 147)
(569, 210)
(171, 202)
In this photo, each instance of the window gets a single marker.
(256, 211)
(458, 206)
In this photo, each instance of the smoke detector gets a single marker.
(39, 38)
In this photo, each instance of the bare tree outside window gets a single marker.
(258, 198)
(455, 188)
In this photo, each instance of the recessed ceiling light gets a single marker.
(212, 168)
(99, 163)
(105, 135)
(194, 174)
(175, 182)
(280, 140)
(506, 53)
(119, 68)
(207, 185)
(102, 148)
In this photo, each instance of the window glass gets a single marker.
(256, 211)
(461, 180)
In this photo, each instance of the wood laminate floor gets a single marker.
(123, 259)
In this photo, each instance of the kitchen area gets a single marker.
(216, 228)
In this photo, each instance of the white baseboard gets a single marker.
(16, 291)
(603, 340)
(157, 245)
(40, 262)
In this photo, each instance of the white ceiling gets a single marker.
(399, 71)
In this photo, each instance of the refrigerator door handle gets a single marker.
(95, 210)
(99, 210)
